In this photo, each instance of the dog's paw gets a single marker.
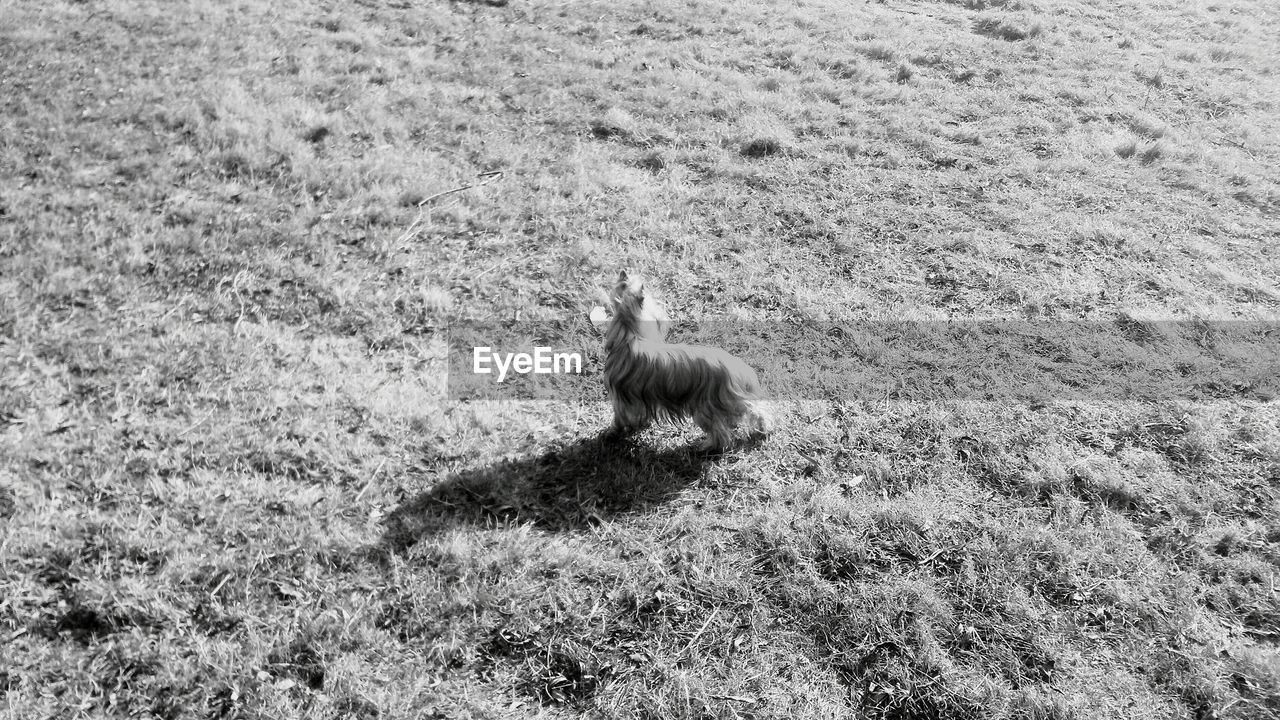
(711, 447)
(618, 431)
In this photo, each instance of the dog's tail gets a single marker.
(744, 391)
(759, 417)
(745, 388)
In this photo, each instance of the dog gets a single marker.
(649, 379)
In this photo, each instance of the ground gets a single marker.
(234, 483)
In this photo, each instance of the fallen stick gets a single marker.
(413, 228)
(488, 178)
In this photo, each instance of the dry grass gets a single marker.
(231, 484)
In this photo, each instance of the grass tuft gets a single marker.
(1153, 152)
(879, 50)
(1009, 29)
(764, 135)
(615, 123)
(316, 133)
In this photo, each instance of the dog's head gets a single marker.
(628, 294)
(630, 300)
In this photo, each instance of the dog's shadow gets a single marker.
(567, 487)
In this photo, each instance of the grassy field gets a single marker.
(232, 484)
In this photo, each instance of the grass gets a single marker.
(232, 485)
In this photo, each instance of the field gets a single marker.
(233, 237)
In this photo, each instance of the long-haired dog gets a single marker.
(650, 380)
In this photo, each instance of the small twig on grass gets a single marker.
(915, 12)
(733, 698)
(1240, 145)
(372, 477)
(263, 558)
(484, 272)
(698, 634)
(413, 226)
(931, 556)
(488, 178)
(195, 425)
(934, 555)
(225, 577)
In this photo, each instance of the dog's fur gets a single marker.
(651, 380)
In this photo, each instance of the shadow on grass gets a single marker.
(568, 487)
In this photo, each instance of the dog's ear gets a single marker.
(633, 282)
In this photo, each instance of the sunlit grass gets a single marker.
(232, 484)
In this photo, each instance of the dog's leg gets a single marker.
(625, 422)
(719, 435)
(620, 428)
(616, 431)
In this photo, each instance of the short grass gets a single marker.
(231, 484)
